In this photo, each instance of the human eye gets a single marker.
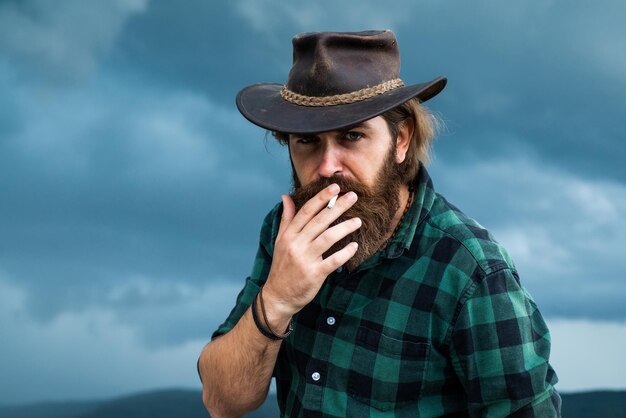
(353, 136)
(305, 140)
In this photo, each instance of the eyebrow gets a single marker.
(361, 126)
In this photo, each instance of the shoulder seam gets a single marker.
(467, 295)
(485, 270)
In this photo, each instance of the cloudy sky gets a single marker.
(132, 191)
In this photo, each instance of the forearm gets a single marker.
(236, 370)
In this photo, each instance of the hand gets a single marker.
(298, 268)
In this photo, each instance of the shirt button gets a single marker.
(316, 376)
(340, 269)
(331, 320)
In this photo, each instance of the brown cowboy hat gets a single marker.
(337, 80)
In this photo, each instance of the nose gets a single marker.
(330, 164)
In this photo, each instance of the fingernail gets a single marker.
(357, 221)
(351, 196)
(333, 188)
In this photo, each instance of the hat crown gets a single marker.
(332, 63)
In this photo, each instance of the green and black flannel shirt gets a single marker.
(436, 324)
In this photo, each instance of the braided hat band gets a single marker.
(338, 99)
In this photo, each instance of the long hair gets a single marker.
(426, 125)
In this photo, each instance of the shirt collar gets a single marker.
(422, 203)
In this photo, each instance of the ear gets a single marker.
(403, 140)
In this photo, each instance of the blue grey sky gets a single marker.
(132, 191)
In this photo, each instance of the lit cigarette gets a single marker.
(332, 201)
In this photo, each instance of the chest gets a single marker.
(370, 341)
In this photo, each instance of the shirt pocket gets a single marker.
(385, 372)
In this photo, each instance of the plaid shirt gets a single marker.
(436, 324)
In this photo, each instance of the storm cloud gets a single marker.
(132, 191)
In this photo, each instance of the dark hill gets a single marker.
(157, 404)
(594, 404)
(188, 404)
(48, 410)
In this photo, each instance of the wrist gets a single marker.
(273, 334)
(278, 314)
(261, 326)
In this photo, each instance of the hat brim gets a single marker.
(262, 105)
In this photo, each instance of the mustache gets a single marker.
(303, 194)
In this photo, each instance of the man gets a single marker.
(370, 294)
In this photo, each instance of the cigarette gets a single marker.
(332, 201)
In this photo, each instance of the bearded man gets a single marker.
(370, 294)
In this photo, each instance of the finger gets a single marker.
(323, 219)
(341, 257)
(329, 237)
(289, 211)
(313, 206)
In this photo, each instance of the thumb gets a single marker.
(289, 211)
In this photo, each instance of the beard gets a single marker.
(376, 207)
